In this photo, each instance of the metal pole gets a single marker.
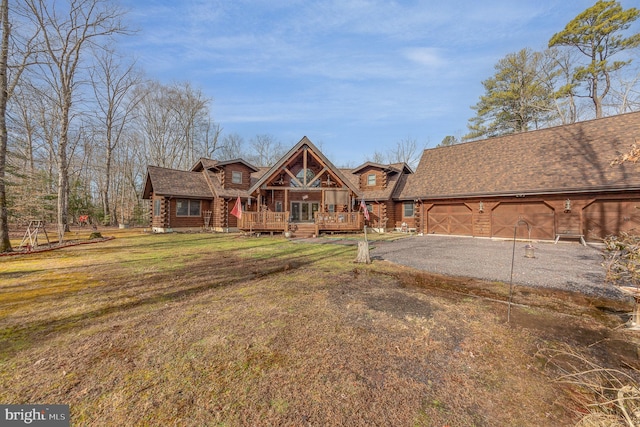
(513, 256)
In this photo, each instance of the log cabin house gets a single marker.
(546, 184)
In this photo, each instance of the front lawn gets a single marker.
(216, 329)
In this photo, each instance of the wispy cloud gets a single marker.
(341, 65)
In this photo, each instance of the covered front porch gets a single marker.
(305, 194)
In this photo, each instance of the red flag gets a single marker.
(237, 209)
(363, 205)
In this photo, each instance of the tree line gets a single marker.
(79, 121)
(585, 72)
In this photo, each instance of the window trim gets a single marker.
(189, 201)
(236, 177)
(404, 209)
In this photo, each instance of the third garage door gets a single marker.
(605, 217)
(539, 216)
(450, 219)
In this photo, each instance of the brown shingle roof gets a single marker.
(569, 158)
(220, 191)
(395, 171)
(173, 182)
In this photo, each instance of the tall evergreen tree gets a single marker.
(516, 98)
(597, 33)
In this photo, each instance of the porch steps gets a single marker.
(305, 230)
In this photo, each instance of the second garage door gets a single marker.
(539, 216)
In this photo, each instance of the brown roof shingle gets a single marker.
(173, 182)
(569, 158)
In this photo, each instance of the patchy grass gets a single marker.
(211, 329)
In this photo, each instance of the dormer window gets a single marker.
(371, 179)
(236, 177)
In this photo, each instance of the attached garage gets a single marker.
(605, 217)
(538, 215)
(454, 219)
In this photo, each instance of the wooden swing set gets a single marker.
(30, 239)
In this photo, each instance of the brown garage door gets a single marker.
(539, 216)
(605, 217)
(450, 219)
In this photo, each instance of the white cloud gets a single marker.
(426, 56)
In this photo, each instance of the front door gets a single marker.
(304, 211)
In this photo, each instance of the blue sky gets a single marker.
(355, 76)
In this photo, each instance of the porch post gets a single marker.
(286, 209)
(286, 201)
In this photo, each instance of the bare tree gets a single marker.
(405, 151)
(377, 157)
(211, 138)
(557, 73)
(113, 84)
(21, 51)
(173, 122)
(625, 96)
(265, 150)
(231, 147)
(68, 31)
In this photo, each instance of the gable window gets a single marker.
(186, 207)
(156, 207)
(236, 177)
(371, 179)
(300, 176)
(408, 209)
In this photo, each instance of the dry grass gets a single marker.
(202, 329)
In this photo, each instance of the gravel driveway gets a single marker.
(568, 266)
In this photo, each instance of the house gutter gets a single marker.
(520, 194)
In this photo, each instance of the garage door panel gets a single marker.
(539, 217)
(453, 219)
(606, 217)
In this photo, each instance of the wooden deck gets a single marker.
(341, 221)
(264, 221)
(279, 221)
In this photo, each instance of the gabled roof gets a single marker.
(219, 191)
(393, 167)
(204, 163)
(173, 182)
(387, 193)
(275, 169)
(569, 158)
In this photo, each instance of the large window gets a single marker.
(371, 179)
(236, 177)
(408, 210)
(301, 177)
(186, 207)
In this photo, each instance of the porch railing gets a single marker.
(279, 221)
(264, 221)
(339, 220)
